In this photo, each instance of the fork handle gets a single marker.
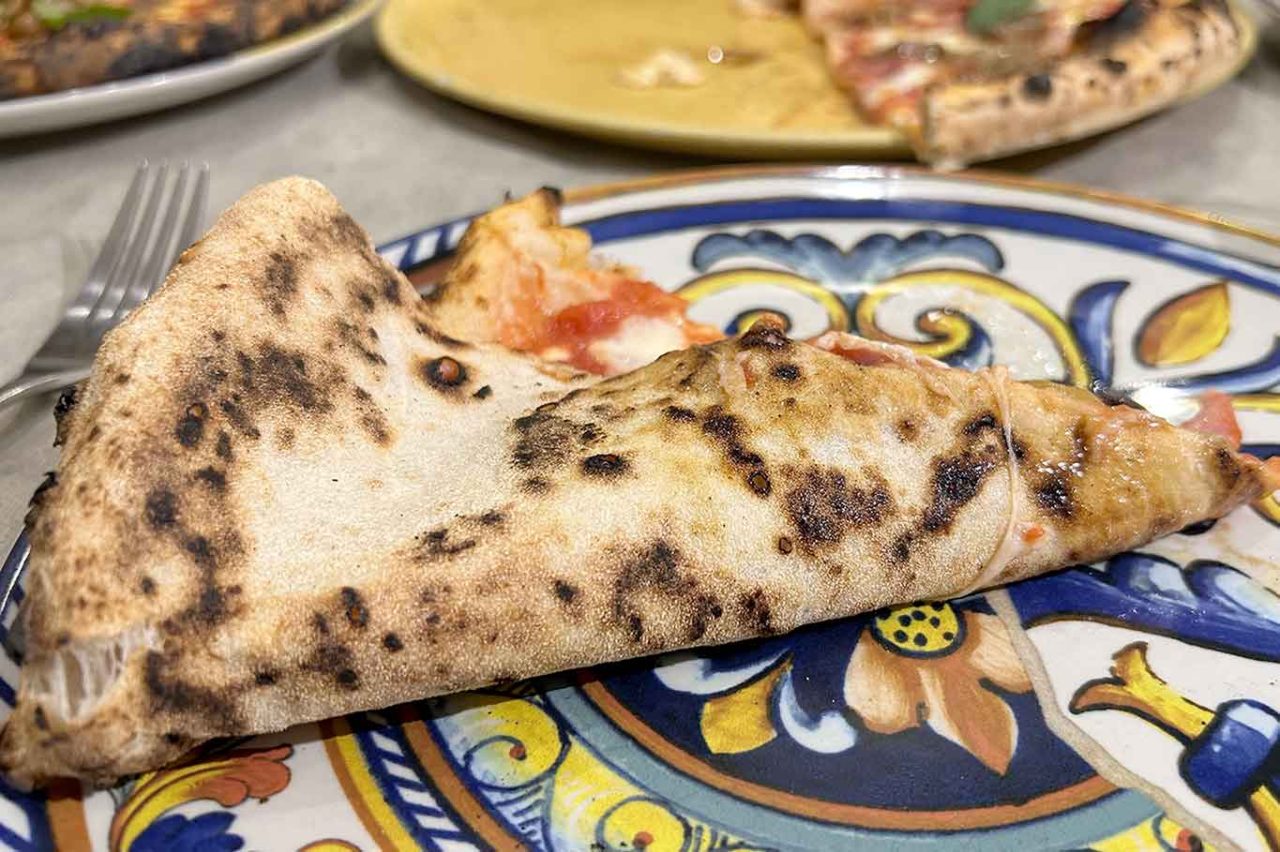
(34, 383)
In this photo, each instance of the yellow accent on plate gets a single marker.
(718, 282)
(950, 332)
(361, 789)
(740, 720)
(559, 63)
(1186, 328)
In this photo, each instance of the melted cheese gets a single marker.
(1013, 543)
(637, 342)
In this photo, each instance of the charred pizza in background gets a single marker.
(51, 45)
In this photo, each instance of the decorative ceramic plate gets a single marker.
(1128, 706)
(765, 93)
(152, 92)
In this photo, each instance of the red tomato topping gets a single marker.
(575, 328)
(1217, 416)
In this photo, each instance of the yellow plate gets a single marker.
(557, 63)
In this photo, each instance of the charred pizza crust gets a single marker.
(1126, 69)
(158, 35)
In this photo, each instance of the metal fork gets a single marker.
(139, 249)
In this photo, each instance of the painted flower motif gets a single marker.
(939, 664)
(142, 820)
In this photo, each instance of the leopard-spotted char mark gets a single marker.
(786, 372)
(955, 482)
(1054, 495)
(756, 613)
(444, 373)
(564, 591)
(438, 543)
(279, 284)
(161, 508)
(726, 430)
(605, 466)
(765, 335)
(354, 606)
(190, 426)
(171, 694)
(823, 506)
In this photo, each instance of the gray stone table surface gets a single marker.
(401, 158)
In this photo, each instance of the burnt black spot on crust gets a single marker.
(1053, 494)
(334, 660)
(190, 426)
(545, 440)
(266, 677)
(705, 608)
(764, 335)
(566, 592)
(147, 586)
(67, 401)
(785, 545)
(354, 607)
(279, 282)
(444, 373)
(535, 485)
(655, 569)
(678, 414)
(1228, 467)
(823, 506)
(212, 477)
(492, 517)
(392, 642)
(161, 508)
(756, 613)
(238, 418)
(1037, 87)
(170, 694)
(437, 336)
(786, 372)
(41, 722)
(901, 549)
(956, 481)
(223, 448)
(484, 392)
(982, 423)
(1114, 66)
(437, 543)
(605, 465)
(276, 376)
(391, 289)
(727, 432)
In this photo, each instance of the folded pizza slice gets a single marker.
(286, 494)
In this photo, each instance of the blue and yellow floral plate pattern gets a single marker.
(1133, 705)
